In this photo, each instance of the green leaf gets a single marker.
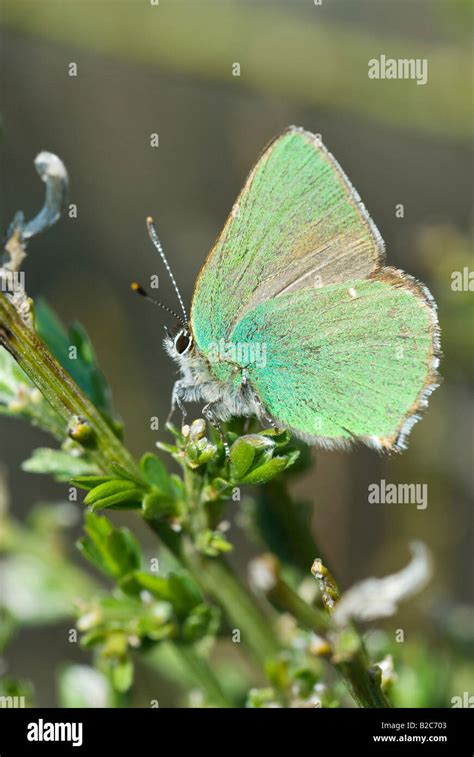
(155, 472)
(184, 593)
(179, 589)
(119, 501)
(124, 474)
(138, 581)
(252, 449)
(107, 489)
(280, 437)
(114, 551)
(157, 505)
(201, 621)
(122, 675)
(265, 472)
(89, 482)
(241, 458)
(155, 623)
(177, 487)
(212, 543)
(175, 431)
(170, 448)
(112, 493)
(59, 463)
(291, 456)
(84, 368)
(93, 638)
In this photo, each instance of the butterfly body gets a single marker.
(223, 386)
(296, 320)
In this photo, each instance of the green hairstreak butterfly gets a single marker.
(295, 318)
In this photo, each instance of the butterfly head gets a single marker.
(179, 342)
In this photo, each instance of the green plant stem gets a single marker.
(362, 682)
(292, 535)
(202, 674)
(287, 599)
(183, 664)
(59, 389)
(241, 610)
(219, 582)
(193, 483)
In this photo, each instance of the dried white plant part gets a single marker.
(379, 597)
(52, 172)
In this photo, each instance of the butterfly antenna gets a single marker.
(143, 293)
(154, 238)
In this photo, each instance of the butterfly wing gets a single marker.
(352, 361)
(297, 222)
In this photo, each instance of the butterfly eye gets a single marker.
(182, 342)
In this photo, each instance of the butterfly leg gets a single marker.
(178, 396)
(209, 414)
(247, 387)
(263, 412)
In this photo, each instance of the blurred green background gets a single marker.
(167, 69)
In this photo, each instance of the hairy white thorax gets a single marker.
(198, 384)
